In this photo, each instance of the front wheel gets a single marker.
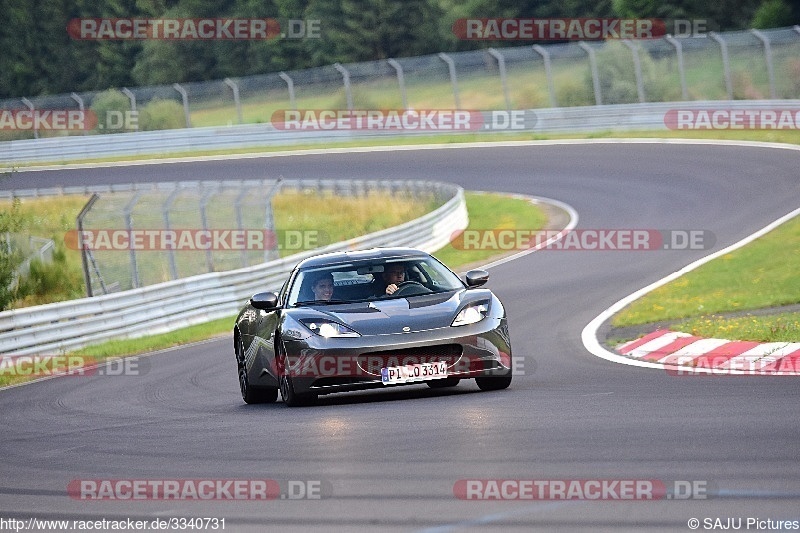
(251, 394)
(292, 398)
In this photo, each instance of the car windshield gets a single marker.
(364, 281)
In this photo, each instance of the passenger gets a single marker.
(322, 287)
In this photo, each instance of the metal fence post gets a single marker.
(126, 213)
(235, 88)
(637, 68)
(501, 65)
(86, 254)
(204, 223)
(132, 97)
(347, 90)
(185, 98)
(290, 87)
(165, 209)
(451, 66)
(726, 65)
(598, 97)
(681, 72)
(29, 105)
(81, 108)
(768, 56)
(548, 73)
(269, 221)
(401, 80)
(237, 206)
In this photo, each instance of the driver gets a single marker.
(393, 275)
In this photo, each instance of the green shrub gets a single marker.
(573, 94)
(618, 75)
(112, 101)
(50, 282)
(161, 115)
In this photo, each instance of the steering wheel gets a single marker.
(403, 288)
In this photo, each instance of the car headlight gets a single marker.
(328, 328)
(471, 314)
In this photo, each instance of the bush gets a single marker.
(572, 94)
(50, 282)
(9, 262)
(117, 104)
(772, 14)
(618, 75)
(11, 220)
(161, 115)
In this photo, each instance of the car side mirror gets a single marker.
(476, 278)
(266, 301)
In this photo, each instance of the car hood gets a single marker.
(399, 315)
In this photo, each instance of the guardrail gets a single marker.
(62, 326)
(583, 119)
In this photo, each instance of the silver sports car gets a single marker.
(376, 318)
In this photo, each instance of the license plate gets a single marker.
(413, 372)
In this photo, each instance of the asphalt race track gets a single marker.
(389, 460)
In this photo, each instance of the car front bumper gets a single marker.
(322, 365)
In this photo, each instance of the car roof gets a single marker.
(333, 258)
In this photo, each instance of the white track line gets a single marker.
(589, 333)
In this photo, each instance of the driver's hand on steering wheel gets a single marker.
(390, 289)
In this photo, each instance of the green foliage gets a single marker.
(50, 281)
(618, 76)
(10, 221)
(772, 14)
(9, 261)
(162, 115)
(573, 94)
(112, 101)
(40, 57)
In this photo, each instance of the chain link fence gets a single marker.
(151, 234)
(734, 65)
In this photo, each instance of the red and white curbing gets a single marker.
(675, 349)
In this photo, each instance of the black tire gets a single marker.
(290, 397)
(250, 393)
(493, 383)
(443, 383)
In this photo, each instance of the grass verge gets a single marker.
(783, 327)
(761, 274)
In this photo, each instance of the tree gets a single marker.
(772, 14)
